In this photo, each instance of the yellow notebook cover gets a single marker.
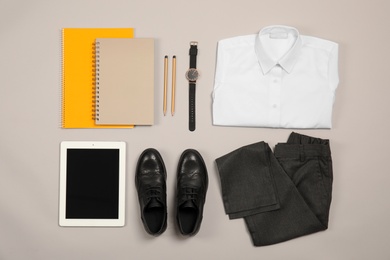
(78, 67)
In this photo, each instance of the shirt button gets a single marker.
(274, 106)
(275, 80)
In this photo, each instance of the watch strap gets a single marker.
(191, 110)
(193, 52)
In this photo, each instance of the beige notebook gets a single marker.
(124, 81)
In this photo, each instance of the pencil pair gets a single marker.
(166, 84)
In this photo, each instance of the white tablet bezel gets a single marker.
(65, 145)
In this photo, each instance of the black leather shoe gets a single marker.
(192, 182)
(150, 180)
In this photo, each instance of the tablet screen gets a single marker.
(92, 179)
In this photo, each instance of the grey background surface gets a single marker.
(30, 133)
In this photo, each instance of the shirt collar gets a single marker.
(288, 60)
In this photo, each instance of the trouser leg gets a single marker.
(246, 181)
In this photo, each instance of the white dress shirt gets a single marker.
(276, 78)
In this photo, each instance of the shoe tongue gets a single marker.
(154, 203)
(188, 204)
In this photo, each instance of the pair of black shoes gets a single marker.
(192, 182)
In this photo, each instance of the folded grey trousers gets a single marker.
(282, 194)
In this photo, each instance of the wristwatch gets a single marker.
(192, 75)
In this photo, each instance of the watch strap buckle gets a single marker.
(194, 48)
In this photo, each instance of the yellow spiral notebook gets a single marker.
(78, 69)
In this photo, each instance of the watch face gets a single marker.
(192, 74)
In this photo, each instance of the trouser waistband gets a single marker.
(301, 146)
(297, 150)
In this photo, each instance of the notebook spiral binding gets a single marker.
(95, 81)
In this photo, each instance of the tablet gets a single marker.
(92, 184)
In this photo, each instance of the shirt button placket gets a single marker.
(275, 96)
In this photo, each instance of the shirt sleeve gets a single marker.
(219, 68)
(333, 67)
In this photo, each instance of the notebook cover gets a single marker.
(78, 74)
(125, 81)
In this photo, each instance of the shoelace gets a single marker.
(189, 194)
(153, 192)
